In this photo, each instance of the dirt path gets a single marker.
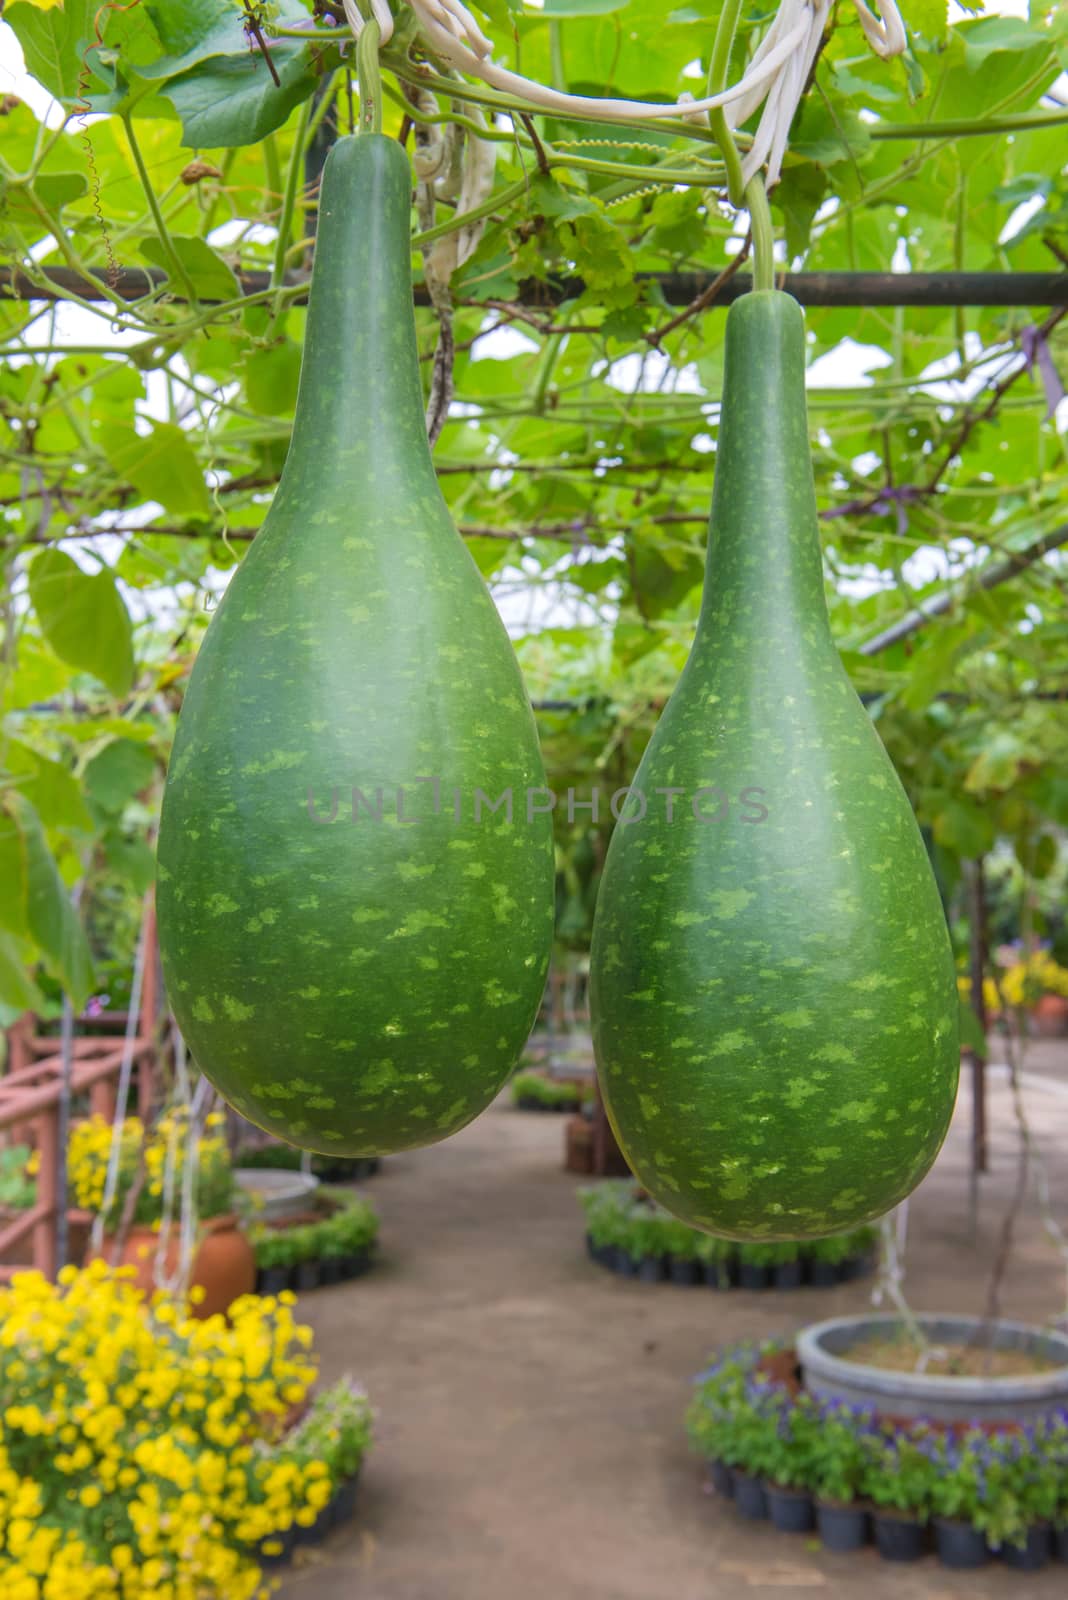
(530, 1441)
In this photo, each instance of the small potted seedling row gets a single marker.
(629, 1234)
(536, 1091)
(967, 1494)
(333, 1249)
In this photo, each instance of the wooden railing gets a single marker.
(31, 1092)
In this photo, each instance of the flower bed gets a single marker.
(633, 1236)
(144, 1451)
(964, 1491)
(534, 1091)
(287, 1158)
(329, 1249)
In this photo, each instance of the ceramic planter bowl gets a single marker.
(945, 1399)
(277, 1192)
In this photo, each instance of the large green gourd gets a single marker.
(356, 986)
(775, 1011)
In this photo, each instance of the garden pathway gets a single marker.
(530, 1435)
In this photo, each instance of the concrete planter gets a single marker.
(944, 1399)
(278, 1193)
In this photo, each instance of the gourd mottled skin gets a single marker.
(775, 1009)
(356, 986)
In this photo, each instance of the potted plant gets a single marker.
(859, 1258)
(959, 1497)
(149, 1185)
(754, 1265)
(825, 1258)
(755, 1445)
(838, 1461)
(1028, 1474)
(353, 1231)
(713, 1419)
(333, 1248)
(604, 1221)
(648, 1243)
(337, 1430)
(783, 1258)
(680, 1242)
(789, 1462)
(714, 1256)
(899, 1471)
(274, 1261)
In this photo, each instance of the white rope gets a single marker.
(379, 10)
(181, 1097)
(775, 77)
(178, 1283)
(133, 1019)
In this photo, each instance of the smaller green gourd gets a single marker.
(772, 985)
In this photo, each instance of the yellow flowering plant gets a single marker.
(1024, 983)
(155, 1150)
(144, 1452)
(990, 993)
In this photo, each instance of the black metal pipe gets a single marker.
(1019, 289)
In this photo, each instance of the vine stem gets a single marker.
(289, 199)
(718, 70)
(370, 77)
(174, 260)
(753, 194)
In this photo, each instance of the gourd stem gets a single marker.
(370, 77)
(756, 198)
(752, 195)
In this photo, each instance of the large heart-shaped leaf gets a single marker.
(83, 617)
(216, 78)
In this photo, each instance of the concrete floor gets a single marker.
(530, 1442)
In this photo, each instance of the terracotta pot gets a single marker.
(224, 1264)
(1049, 1018)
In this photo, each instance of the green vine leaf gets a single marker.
(215, 76)
(83, 618)
(161, 465)
(210, 276)
(37, 901)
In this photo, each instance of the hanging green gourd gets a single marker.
(354, 942)
(772, 985)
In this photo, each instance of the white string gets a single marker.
(775, 78)
(133, 1019)
(379, 10)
